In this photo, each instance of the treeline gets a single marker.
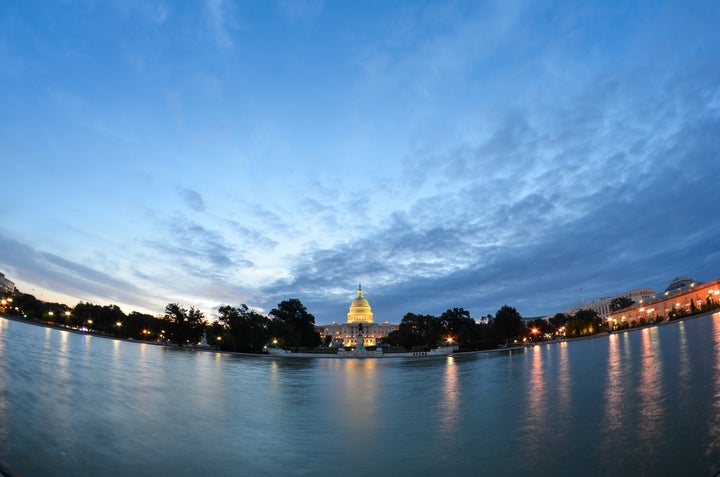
(290, 325)
(457, 326)
(237, 329)
(507, 327)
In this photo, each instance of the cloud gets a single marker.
(152, 11)
(530, 215)
(300, 10)
(219, 22)
(193, 199)
(196, 249)
(67, 277)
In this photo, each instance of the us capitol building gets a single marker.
(359, 323)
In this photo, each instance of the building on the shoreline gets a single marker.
(602, 305)
(359, 323)
(680, 284)
(681, 297)
(6, 285)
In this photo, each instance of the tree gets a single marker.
(538, 328)
(103, 319)
(584, 322)
(143, 326)
(559, 320)
(459, 326)
(417, 331)
(186, 326)
(293, 326)
(247, 328)
(508, 323)
(29, 306)
(216, 332)
(620, 302)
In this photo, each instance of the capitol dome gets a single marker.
(360, 311)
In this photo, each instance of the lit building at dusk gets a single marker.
(359, 323)
(6, 286)
(602, 305)
(681, 297)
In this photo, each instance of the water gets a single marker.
(640, 403)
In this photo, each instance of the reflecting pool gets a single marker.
(645, 402)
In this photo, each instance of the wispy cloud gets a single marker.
(220, 22)
(67, 277)
(300, 10)
(196, 249)
(530, 214)
(443, 154)
(193, 199)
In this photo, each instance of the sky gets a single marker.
(445, 154)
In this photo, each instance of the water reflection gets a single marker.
(614, 394)
(4, 421)
(450, 397)
(650, 391)
(536, 411)
(359, 390)
(562, 409)
(563, 381)
(684, 371)
(62, 360)
(714, 411)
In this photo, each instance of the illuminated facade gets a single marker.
(682, 296)
(359, 323)
(6, 286)
(360, 311)
(602, 305)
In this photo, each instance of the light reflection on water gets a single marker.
(563, 382)
(650, 392)
(450, 403)
(615, 390)
(537, 407)
(714, 409)
(4, 414)
(626, 403)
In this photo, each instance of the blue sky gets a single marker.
(469, 154)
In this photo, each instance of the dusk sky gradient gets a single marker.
(470, 154)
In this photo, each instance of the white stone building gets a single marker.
(359, 322)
